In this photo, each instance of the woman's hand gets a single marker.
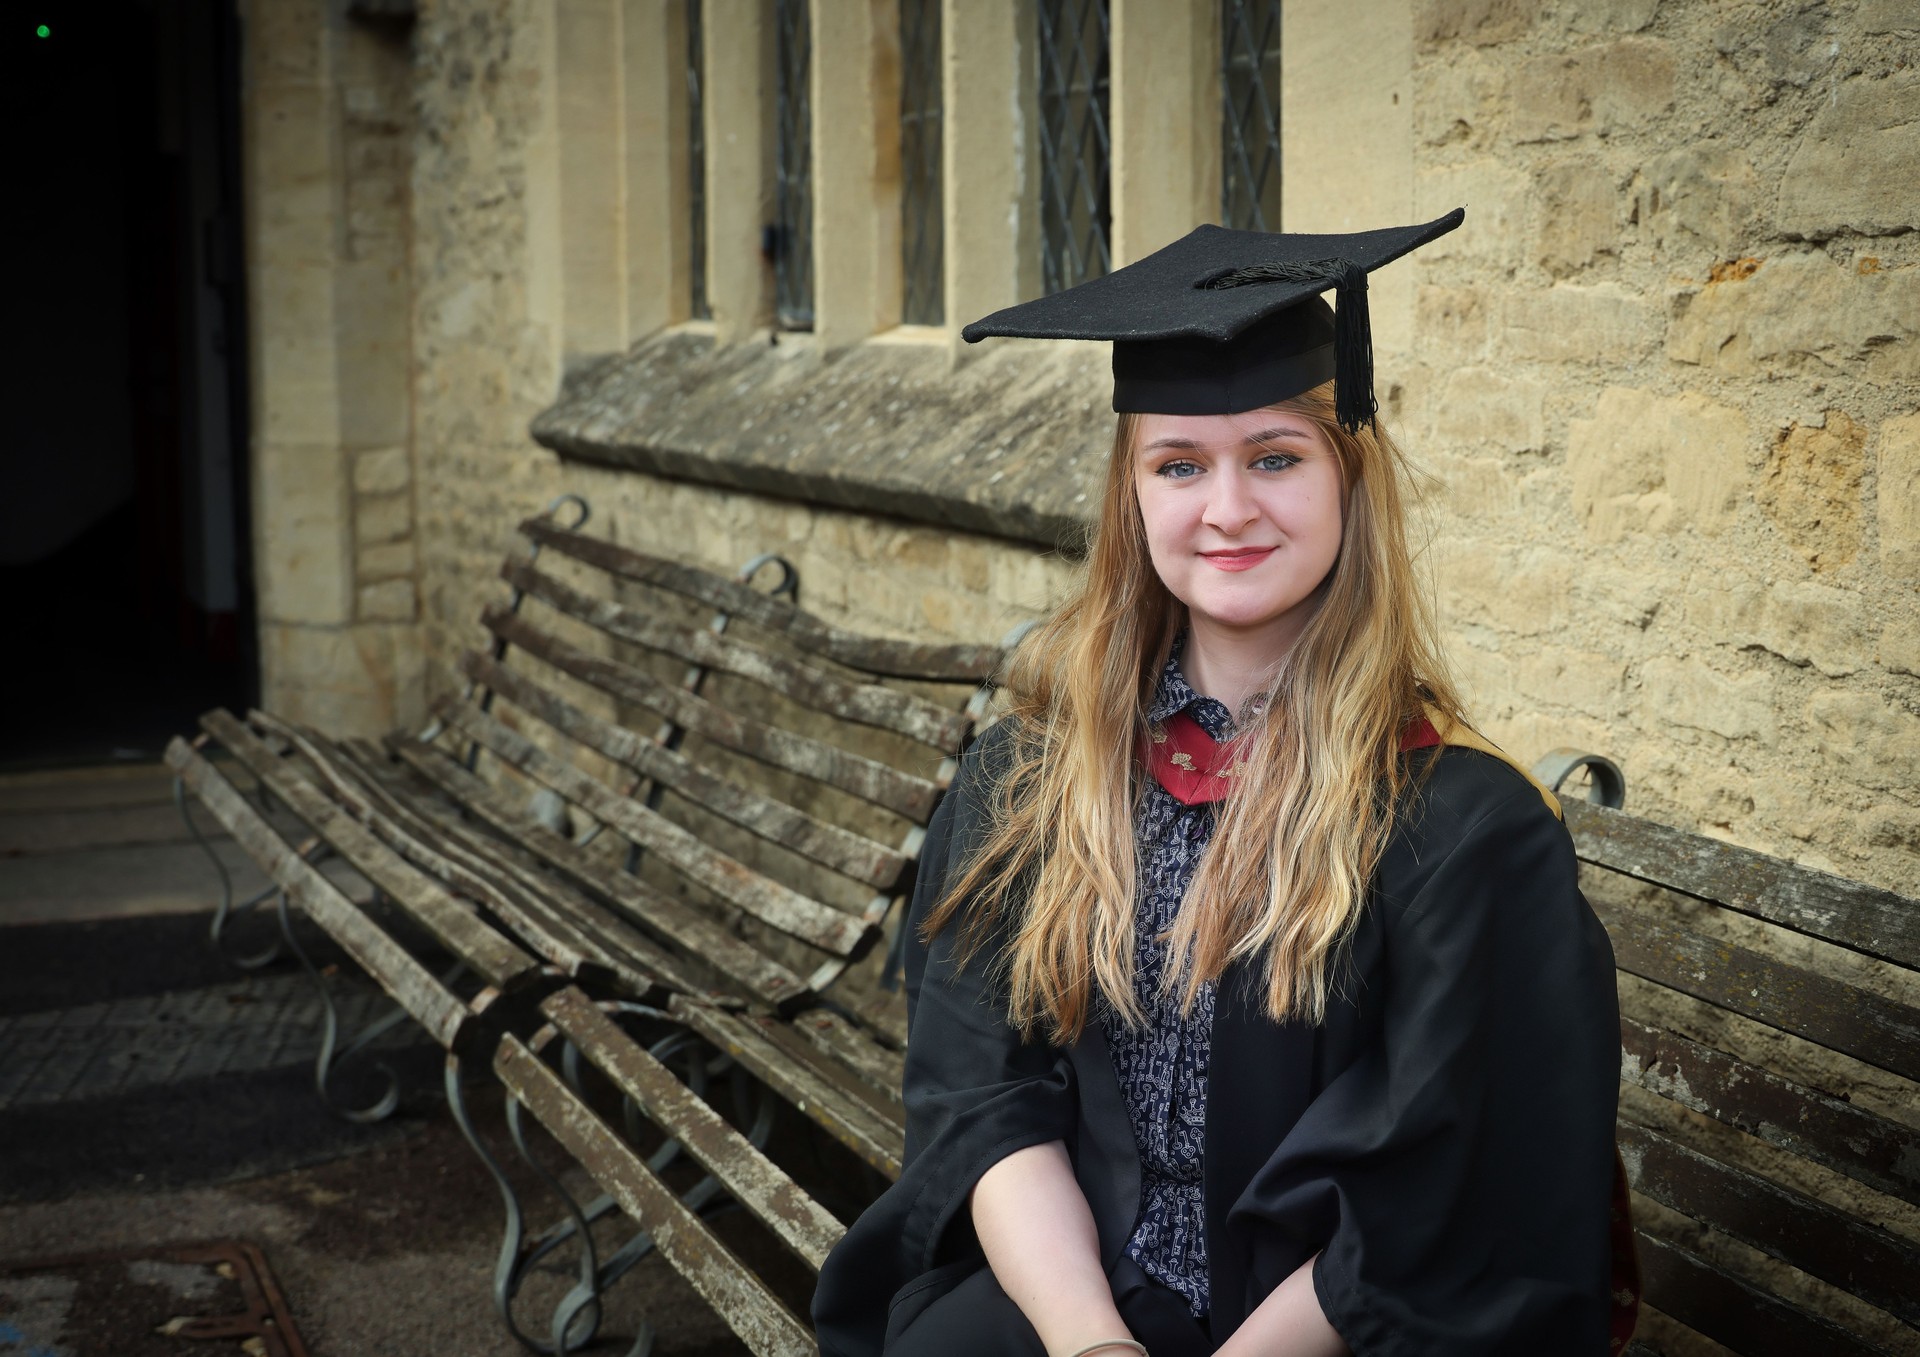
(1037, 1230)
(1288, 1323)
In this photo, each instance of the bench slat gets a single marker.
(878, 1067)
(1734, 1312)
(857, 858)
(851, 1122)
(551, 932)
(869, 779)
(634, 959)
(1817, 903)
(757, 975)
(1821, 1009)
(867, 704)
(733, 881)
(451, 921)
(1878, 1267)
(412, 986)
(766, 1326)
(1850, 1140)
(876, 655)
(769, 1195)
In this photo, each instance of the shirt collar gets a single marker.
(1174, 694)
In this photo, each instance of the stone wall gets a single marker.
(1664, 376)
(1666, 373)
(329, 143)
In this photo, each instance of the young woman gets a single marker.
(1259, 1011)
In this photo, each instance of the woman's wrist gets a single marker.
(1111, 1345)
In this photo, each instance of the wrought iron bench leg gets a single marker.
(227, 909)
(332, 1054)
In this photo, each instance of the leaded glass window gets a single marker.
(696, 170)
(1250, 114)
(922, 228)
(1076, 152)
(793, 179)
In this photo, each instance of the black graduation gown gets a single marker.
(1444, 1140)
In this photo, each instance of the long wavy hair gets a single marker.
(1285, 877)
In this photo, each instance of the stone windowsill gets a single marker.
(1012, 443)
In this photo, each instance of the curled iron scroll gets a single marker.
(1606, 784)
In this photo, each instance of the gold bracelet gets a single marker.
(1138, 1347)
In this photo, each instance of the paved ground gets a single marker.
(151, 1093)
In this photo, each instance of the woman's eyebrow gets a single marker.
(1184, 444)
(1268, 435)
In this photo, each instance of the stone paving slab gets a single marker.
(106, 1049)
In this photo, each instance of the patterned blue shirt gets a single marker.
(1162, 1065)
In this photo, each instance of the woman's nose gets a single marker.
(1230, 507)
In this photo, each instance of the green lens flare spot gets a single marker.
(43, 32)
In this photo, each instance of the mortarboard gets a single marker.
(1223, 321)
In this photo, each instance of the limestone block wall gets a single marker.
(1666, 376)
(329, 132)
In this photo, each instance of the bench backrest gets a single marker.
(787, 769)
(1770, 1040)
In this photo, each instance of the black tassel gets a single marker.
(1354, 405)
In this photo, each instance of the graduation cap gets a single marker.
(1223, 321)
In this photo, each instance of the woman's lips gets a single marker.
(1245, 558)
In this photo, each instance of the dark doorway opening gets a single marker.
(123, 526)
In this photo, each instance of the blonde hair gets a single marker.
(1286, 874)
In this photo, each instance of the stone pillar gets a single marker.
(989, 158)
(739, 107)
(856, 169)
(1346, 134)
(593, 237)
(327, 131)
(653, 87)
(1166, 122)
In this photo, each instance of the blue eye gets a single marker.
(1277, 461)
(1177, 470)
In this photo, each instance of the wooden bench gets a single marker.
(1770, 1048)
(614, 899)
(726, 877)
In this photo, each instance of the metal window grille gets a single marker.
(699, 306)
(1250, 114)
(922, 229)
(1076, 153)
(793, 181)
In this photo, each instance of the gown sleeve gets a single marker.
(1457, 1173)
(974, 1093)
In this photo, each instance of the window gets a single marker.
(793, 182)
(698, 306)
(922, 227)
(1250, 114)
(1076, 152)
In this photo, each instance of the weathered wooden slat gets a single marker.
(1878, 1267)
(878, 1067)
(404, 832)
(1820, 1008)
(757, 976)
(733, 881)
(869, 779)
(1850, 1140)
(633, 959)
(875, 655)
(683, 1239)
(412, 986)
(1734, 1312)
(867, 704)
(453, 922)
(529, 904)
(846, 1119)
(858, 858)
(768, 1194)
(1817, 903)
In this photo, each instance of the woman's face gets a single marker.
(1242, 514)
